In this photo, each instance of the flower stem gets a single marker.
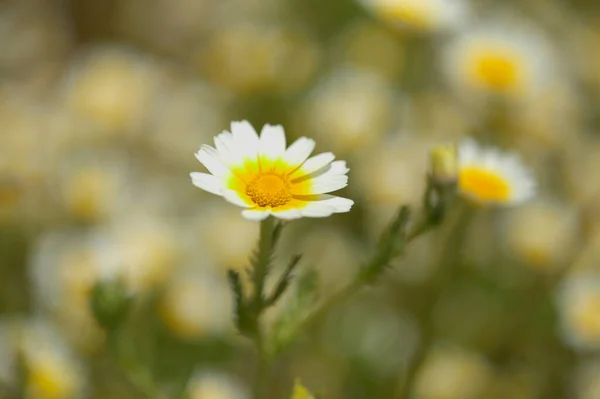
(136, 373)
(265, 249)
(450, 257)
(387, 251)
(263, 258)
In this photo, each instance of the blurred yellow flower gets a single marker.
(499, 58)
(300, 391)
(261, 175)
(578, 303)
(452, 373)
(52, 371)
(487, 176)
(426, 15)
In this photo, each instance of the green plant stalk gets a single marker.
(375, 267)
(137, 374)
(265, 250)
(450, 253)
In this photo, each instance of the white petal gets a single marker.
(467, 151)
(287, 214)
(338, 168)
(327, 183)
(255, 214)
(207, 182)
(245, 139)
(209, 157)
(317, 210)
(272, 141)
(339, 204)
(313, 164)
(299, 151)
(235, 198)
(226, 148)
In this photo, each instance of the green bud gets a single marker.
(443, 165)
(110, 303)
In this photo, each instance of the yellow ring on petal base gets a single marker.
(415, 15)
(484, 185)
(269, 190)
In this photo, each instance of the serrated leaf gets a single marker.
(284, 280)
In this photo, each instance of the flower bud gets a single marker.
(443, 165)
(110, 303)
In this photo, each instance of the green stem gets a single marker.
(136, 373)
(265, 250)
(368, 274)
(448, 263)
(262, 266)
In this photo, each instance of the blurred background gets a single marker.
(104, 102)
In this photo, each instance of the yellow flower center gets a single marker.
(484, 185)
(587, 317)
(496, 70)
(269, 190)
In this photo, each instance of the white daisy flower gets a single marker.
(261, 175)
(498, 57)
(489, 177)
(578, 303)
(216, 385)
(424, 15)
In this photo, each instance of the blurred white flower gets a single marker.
(216, 385)
(488, 176)
(52, 370)
(63, 269)
(248, 58)
(187, 111)
(91, 185)
(262, 176)
(197, 304)
(499, 57)
(542, 234)
(369, 46)
(422, 15)
(110, 90)
(578, 302)
(65, 266)
(453, 373)
(219, 220)
(349, 110)
(587, 380)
